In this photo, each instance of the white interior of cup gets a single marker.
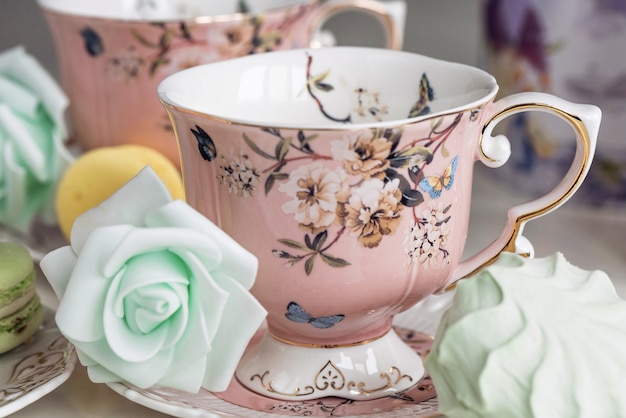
(347, 85)
(162, 9)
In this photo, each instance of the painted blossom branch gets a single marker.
(440, 137)
(310, 82)
(435, 136)
(312, 157)
(443, 135)
(312, 249)
(281, 158)
(334, 241)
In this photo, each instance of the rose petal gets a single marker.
(207, 301)
(99, 374)
(27, 142)
(242, 318)
(124, 343)
(150, 307)
(145, 240)
(32, 132)
(25, 69)
(88, 287)
(57, 266)
(206, 309)
(142, 374)
(129, 196)
(21, 99)
(61, 159)
(187, 378)
(16, 209)
(146, 270)
(236, 261)
(121, 335)
(84, 359)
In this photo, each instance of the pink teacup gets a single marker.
(113, 53)
(348, 171)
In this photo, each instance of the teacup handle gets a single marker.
(494, 151)
(391, 14)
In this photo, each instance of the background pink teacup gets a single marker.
(348, 172)
(113, 53)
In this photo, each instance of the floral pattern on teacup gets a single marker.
(365, 193)
(168, 47)
(239, 176)
(426, 237)
(371, 186)
(368, 104)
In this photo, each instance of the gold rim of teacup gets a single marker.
(397, 123)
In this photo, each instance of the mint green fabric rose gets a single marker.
(152, 293)
(32, 134)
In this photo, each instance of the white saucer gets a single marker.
(207, 405)
(423, 317)
(36, 368)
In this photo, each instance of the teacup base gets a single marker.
(369, 370)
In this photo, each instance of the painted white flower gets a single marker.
(436, 212)
(152, 293)
(126, 66)
(243, 37)
(316, 191)
(239, 176)
(372, 211)
(33, 156)
(363, 155)
(368, 105)
(426, 238)
(430, 250)
(188, 57)
(413, 240)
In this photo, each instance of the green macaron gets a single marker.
(21, 312)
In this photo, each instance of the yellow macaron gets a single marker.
(97, 174)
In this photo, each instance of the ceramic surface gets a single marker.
(35, 368)
(348, 172)
(573, 49)
(112, 54)
(238, 401)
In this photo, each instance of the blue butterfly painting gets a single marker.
(434, 185)
(296, 313)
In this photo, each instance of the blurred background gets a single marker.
(446, 29)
